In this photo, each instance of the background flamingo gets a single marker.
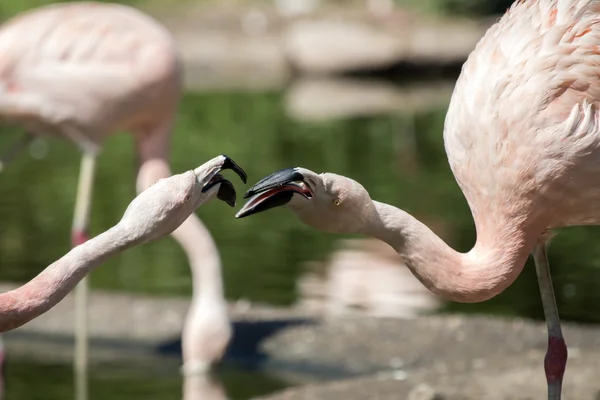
(522, 134)
(84, 71)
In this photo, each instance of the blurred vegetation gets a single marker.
(8, 8)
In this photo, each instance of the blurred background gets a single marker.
(356, 87)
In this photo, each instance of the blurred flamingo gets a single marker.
(84, 71)
(522, 135)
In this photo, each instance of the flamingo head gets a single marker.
(160, 209)
(328, 202)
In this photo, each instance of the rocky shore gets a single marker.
(453, 357)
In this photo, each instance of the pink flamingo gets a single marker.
(84, 71)
(522, 135)
(154, 213)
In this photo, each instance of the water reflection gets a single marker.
(203, 387)
(365, 277)
(326, 99)
(148, 379)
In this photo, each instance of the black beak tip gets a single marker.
(230, 164)
(273, 201)
(227, 193)
(245, 213)
(274, 180)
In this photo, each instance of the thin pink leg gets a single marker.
(78, 236)
(556, 356)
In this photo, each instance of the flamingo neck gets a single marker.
(204, 259)
(485, 271)
(37, 296)
(207, 322)
(192, 235)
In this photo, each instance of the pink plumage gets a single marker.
(522, 135)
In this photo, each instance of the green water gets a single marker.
(263, 255)
(148, 381)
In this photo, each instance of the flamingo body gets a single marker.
(88, 68)
(522, 131)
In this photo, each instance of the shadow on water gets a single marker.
(245, 352)
(244, 349)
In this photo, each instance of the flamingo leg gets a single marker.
(15, 149)
(79, 236)
(556, 355)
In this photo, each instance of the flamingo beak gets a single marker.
(213, 177)
(273, 191)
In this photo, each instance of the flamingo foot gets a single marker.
(79, 237)
(555, 364)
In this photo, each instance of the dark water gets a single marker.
(399, 158)
(118, 381)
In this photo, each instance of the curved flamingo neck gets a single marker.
(37, 296)
(485, 271)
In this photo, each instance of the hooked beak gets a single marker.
(209, 175)
(273, 191)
